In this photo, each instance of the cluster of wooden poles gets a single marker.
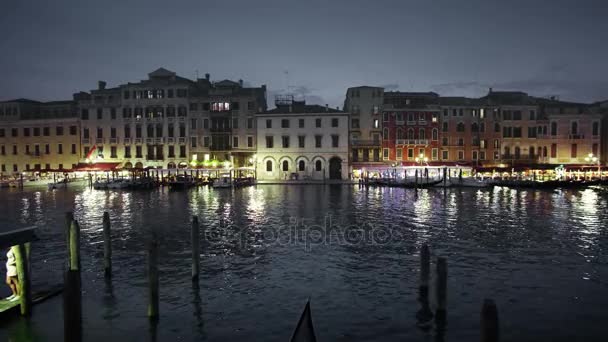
(72, 286)
(489, 312)
(72, 295)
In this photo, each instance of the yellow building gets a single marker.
(37, 136)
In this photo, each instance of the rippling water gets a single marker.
(541, 255)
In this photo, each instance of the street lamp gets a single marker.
(421, 159)
(591, 159)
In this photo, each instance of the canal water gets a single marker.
(541, 255)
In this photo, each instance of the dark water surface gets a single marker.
(541, 255)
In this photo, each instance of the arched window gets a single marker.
(497, 128)
(460, 127)
(410, 133)
(531, 151)
(507, 152)
(421, 134)
(400, 134)
(301, 165)
(318, 166)
(517, 152)
(285, 165)
(474, 127)
(596, 128)
(544, 151)
(435, 134)
(385, 134)
(574, 128)
(269, 166)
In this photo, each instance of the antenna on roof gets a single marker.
(196, 74)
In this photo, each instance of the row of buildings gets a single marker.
(168, 121)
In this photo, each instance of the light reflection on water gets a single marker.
(537, 253)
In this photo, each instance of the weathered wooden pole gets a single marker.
(445, 171)
(107, 246)
(72, 307)
(22, 259)
(489, 321)
(69, 217)
(153, 279)
(441, 288)
(74, 246)
(425, 267)
(194, 234)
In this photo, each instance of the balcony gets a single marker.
(149, 141)
(422, 122)
(576, 136)
(412, 142)
(159, 140)
(113, 140)
(171, 140)
(411, 123)
(171, 118)
(181, 141)
(86, 141)
(138, 141)
(127, 141)
(99, 141)
(358, 142)
(153, 157)
(400, 122)
(181, 119)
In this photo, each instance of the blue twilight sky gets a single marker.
(51, 49)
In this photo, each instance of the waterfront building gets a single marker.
(168, 121)
(38, 136)
(296, 140)
(410, 128)
(365, 106)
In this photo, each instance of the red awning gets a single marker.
(96, 167)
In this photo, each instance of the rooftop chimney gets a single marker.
(101, 85)
(241, 83)
(207, 77)
(326, 107)
(490, 92)
(264, 87)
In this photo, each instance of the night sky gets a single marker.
(51, 49)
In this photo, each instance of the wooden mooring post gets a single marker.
(22, 259)
(107, 246)
(194, 234)
(489, 321)
(424, 314)
(153, 279)
(441, 289)
(72, 295)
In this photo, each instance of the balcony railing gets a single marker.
(138, 141)
(400, 122)
(359, 142)
(171, 140)
(149, 141)
(181, 140)
(576, 136)
(86, 141)
(99, 141)
(159, 140)
(411, 123)
(422, 122)
(412, 142)
(127, 141)
(113, 140)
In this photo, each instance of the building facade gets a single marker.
(38, 136)
(410, 128)
(168, 121)
(365, 106)
(302, 141)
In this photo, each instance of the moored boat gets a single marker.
(181, 182)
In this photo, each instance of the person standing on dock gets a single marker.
(11, 275)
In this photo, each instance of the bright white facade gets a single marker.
(305, 145)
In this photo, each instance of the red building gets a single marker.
(410, 123)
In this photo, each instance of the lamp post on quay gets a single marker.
(591, 159)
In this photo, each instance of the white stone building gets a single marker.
(302, 141)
